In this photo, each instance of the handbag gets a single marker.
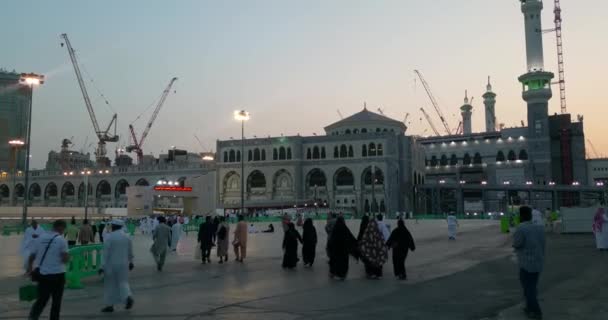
(35, 274)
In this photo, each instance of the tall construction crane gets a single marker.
(428, 119)
(595, 153)
(427, 88)
(103, 136)
(560, 55)
(137, 144)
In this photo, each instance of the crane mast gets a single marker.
(427, 88)
(428, 119)
(103, 136)
(138, 144)
(560, 56)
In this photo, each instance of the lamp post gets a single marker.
(86, 173)
(31, 80)
(242, 116)
(15, 145)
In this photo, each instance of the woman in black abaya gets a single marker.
(341, 244)
(290, 246)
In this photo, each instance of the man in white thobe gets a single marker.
(117, 261)
(176, 233)
(537, 217)
(386, 233)
(452, 225)
(32, 233)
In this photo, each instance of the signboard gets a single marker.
(173, 188)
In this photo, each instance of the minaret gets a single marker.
(489, 100)
(466, 112)
(536, 86)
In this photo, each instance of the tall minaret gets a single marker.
(536, 86)
(489, 100)
(466, 112)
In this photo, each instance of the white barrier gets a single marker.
(577, 220)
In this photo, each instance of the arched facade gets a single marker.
(282, 184)
(50, 192)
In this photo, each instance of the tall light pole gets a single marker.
(31, 80)
(86, 173)
(242, 116)
(15, 145)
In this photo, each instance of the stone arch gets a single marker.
(232, 182)
(50, 191)
(477, 158)
(364, 150)
(263, 154)
(444, 160)
(19, 191)
(225, 156)
(288, 153)
(282, 153)
(282, 180)
(500, 156)
(67, 190)
(523, 155)
(256, 179)
(5, 191)
(511, 156)
(315, 153)
(249, 155)
(231, 156)
(238, 156)
(308, 154)
(35, 191)
(336, 152)
(316, 177)
(434, 161)
(466, 160)
(351, 151)
(371, 150)
(121, 188)
(379, 150)
(322, 152)
(81, 194)
(257, 156)
(355, 131)
(343, 151)
(103, 188)
(366, 176)
(142, 182)
(344, 177)
(453, 160)
(275, 155)
(347, 131)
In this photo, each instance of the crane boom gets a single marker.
(83, 88)
(560, 55)
(428, 119)
(427, 88)
(595, 153)
(156, 111)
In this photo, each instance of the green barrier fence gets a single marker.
(131, 228)
(85, 261)
(8, 230)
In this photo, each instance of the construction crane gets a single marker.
(595, 153)
(459, 129)
(138, 144)
(427, 88)
(340, 114)
(428, 119)
(103, 136)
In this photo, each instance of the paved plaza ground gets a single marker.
(471, 278)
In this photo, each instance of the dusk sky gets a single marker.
(292, 64)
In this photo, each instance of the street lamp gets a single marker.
(31, 80)
(242, 116)
(15, 144)
(86, 173)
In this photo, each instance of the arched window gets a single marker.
(316, 178)
(249, 155)
(308, 154)
(256, 154)
(336, 152)
(385, 130)
(343, 151)
(364, 151)
(466, 160)
(500, 156)
(275, 155)
(288, 153)
(238, 156)
(523, 155)
(433, 161)
(232, 156)
(355, 131)
(512, 156)
(263, 154)
(282, 153)
(322, 152)
(225, 156)
(347, 131)
(477, 158)
(344, 177)
(378, 130)
(453, 160)
(372, 150)
(364, 130)
(380, 152)
(351, 152)
(444, 161)
(315, 153)
(256, 180)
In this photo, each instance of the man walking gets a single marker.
(85, 234)
(162, 239)
(117, 262)
(72, 233)
(529, 244)
(205, 238)
(240, 239)
(49, 256)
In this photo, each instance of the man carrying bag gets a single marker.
(50, 254)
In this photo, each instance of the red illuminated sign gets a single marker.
(172, 188)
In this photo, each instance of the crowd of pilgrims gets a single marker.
(371, 246)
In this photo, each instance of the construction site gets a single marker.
(366, 162)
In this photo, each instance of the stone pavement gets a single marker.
(471, 278)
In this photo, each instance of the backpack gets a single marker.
(222, 233)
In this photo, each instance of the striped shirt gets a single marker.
(529, 244)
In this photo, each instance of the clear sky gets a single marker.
(292, 64)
